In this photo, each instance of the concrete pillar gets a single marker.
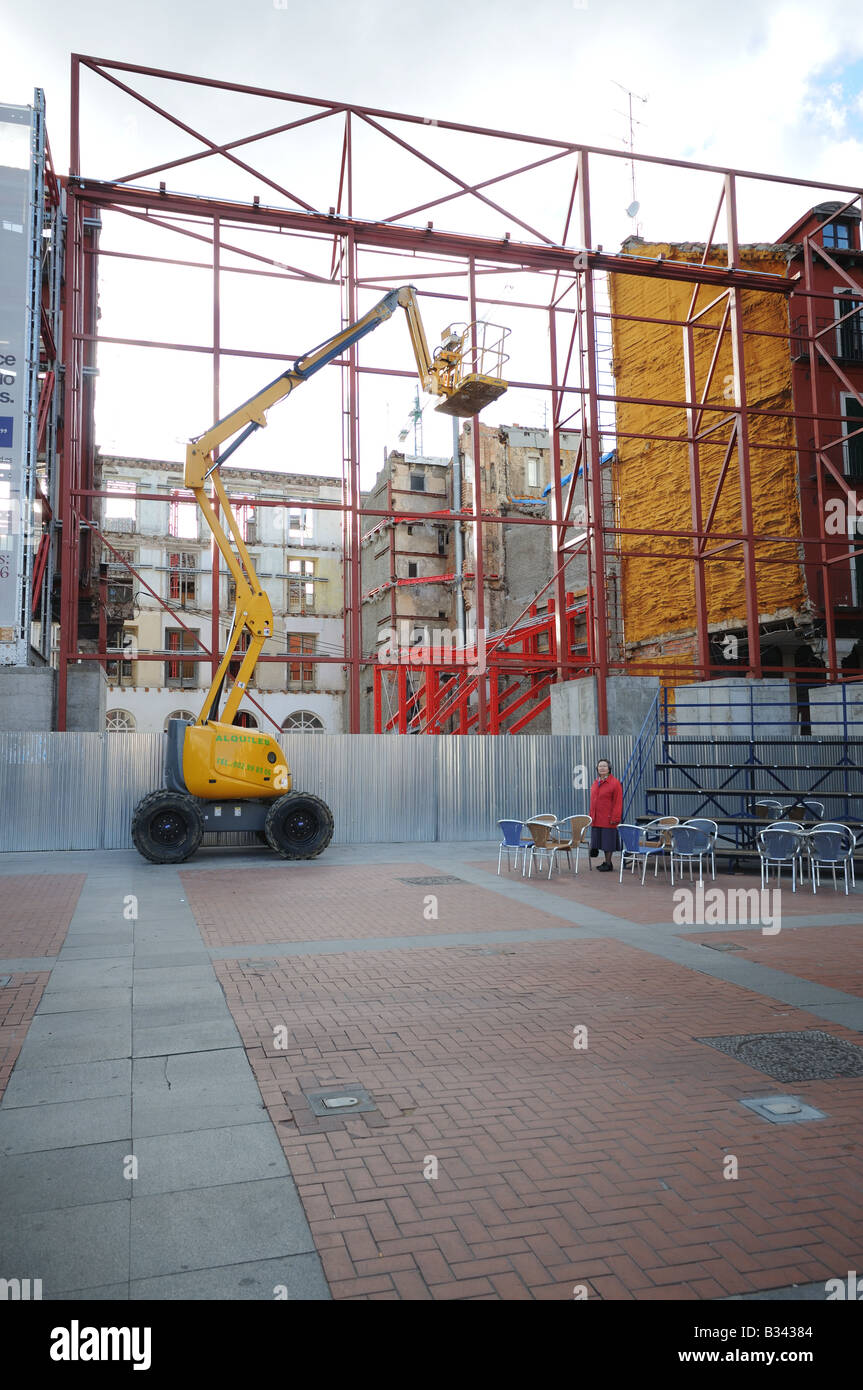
(27, 695)
(85, 700)
(574, 705)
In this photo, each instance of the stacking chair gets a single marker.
(658, 831)
(712, 830)
(579, 837)
(856, 839)
(780, 845)
(795, 825)
(512, 831)
(633, 847)
(544, 842)
(769, 809)
(826, 849)
(654, 828)
(688, 844)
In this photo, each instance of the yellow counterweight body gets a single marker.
(222, 761)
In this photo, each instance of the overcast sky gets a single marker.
(769, 85)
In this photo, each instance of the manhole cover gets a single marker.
(721, 946)
(340, 1100)
(783, 1110)
(433, 880)
(807, 1055)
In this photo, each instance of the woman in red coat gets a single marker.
(606, 808)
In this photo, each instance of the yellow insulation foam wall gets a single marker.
(653, 477)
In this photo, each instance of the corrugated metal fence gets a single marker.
(78, 791)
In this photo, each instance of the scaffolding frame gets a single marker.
(564, 265)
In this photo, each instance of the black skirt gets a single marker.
(604, 838)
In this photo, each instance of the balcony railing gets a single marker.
(845, 341)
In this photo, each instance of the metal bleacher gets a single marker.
(680, 766)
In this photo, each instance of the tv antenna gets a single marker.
(634, 207)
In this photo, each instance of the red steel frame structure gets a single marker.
(561, 264)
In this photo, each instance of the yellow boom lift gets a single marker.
(222, 778)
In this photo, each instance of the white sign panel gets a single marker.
(15, 223)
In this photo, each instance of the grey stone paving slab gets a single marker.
(339, 946)
(163, 994)
(194, 1091)
(182, 1231)
(185, 1037)
(93, 951)
(170, 939)
(172, 962)
(79, 1081)
(849, 1015)
(90, 1035)
(62, 1001)
(150, 1014)
(207, 1158)
(73, 1248)
(300, 1275)
(55, 1178)
(90, 936)
(26, 965)
(233, 1106)
(64, 1124)
(107, 1293)
(91, 973)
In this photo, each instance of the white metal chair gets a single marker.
(633, 847)
(856, 840)
(579, 837)
(688, 844)
(545, 842)
(778, 845)
(512, 842)
(711, 829)
(803, 857)
(658, 831)
(826, 849)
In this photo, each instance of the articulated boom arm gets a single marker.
(440, 375)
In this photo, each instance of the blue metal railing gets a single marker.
(641, 759)
(745, 746)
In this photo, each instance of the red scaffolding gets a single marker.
(562, 265)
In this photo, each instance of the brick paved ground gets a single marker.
(34, 918)
(320, 902)
(557, 1166)
(36, 912)
(19, 1000)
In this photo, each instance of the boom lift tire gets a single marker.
(167, 827)
(299, 826)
